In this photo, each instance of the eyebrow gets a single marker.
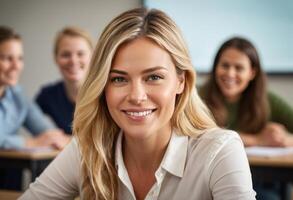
(144, 71)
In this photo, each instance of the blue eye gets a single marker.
(118, 79)
(154, 78)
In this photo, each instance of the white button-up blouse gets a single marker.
(212, 166)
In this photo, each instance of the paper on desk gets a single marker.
(268, 151)
(36, 149)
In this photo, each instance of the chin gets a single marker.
(12, 83)
(135, 133)
(72, 78)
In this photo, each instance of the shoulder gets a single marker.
(52, 87)
(16, 90)
(70, 153)
(212, 141)
(73, 147)
(16, 93)
(273, 97)
(216, 135)
(276, 102)
(49, 90)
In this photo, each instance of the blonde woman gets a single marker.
(72, 52)
(141, 130)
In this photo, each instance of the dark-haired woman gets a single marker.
(237, 96)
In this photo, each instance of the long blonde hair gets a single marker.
(93, 126)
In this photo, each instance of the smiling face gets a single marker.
(11, 62)
(233, 73)
(73, 57)
(142, 89)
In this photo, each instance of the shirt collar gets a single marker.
(175, 157)
(173, 161)
(7, 96)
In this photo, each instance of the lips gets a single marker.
(73, 70)
(139, 113)
(229, 82)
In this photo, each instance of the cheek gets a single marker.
(246, 80)
(112, 97)
(219, 72)
(164, 95)
(86, 59)
(3, 67)
(62, 62)
(85, 64)
(21, 67)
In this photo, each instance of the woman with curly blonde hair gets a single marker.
(141, 131)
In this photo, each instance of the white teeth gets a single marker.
(229, 82)
(140, 114)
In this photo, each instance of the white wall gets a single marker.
(39, 20)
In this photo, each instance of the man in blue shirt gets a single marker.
(17, 111)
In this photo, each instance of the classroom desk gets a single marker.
(35, 161)
(9, 195)
(278, 168)
(271, 169)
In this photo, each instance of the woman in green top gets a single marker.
(237, 96)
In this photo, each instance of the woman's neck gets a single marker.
(142, 158)
(71, 89)
(232, 100)
(145, 155)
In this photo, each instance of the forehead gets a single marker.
(11, 46)
(71, 41)
(141, 53)
(236, 55)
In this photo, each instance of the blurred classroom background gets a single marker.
(38, 21)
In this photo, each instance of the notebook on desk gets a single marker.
(268, 151)
(37, 149)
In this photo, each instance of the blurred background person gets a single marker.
(237, 96)
(17, 111)
(72, 52)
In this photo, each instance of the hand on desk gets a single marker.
(54, 138)
(273, 134)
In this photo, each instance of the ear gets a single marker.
(253, 73)
(181, 83)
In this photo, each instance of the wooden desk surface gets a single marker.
(274, 161)
(9, 195)
(33, 155)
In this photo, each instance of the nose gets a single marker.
(137, 94)
(231, 72)
(74, 59)
(16, 64)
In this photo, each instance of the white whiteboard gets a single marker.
(268, 24)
